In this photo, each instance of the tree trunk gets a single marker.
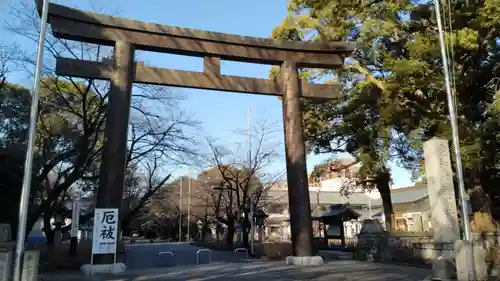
(382, 181)
(204, 231)
(230, 232)
(245, 232)
(218, 232)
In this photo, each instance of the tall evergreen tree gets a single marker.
(393, 97)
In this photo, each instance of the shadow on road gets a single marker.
(278, 271)
(341, 270)
(142, 256)
(144, 264)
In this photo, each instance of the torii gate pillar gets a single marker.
(296, 168)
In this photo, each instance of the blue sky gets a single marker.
(220, 112)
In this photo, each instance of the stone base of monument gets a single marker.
(464, 254)
(443, 269)
(307, 261)
(97, 269)
(335, 255)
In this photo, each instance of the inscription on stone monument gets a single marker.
(4, 232)
(30, 266)
(417, 223)
(5, 263)
(441, 191)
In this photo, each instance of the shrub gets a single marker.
(483, 222)
(273, 251)
(493, 255)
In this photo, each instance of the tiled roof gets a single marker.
(335, 211)
(398, 196)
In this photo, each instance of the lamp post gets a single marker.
(319, 209)
(180, 210)
(259, 217)
(252, 224)
(370, 207)
(199, 223)
(317, 196)
(189, 209)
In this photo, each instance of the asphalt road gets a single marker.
(340, 270)
(144, 264)
(146, 255)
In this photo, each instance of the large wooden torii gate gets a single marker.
(126, 36)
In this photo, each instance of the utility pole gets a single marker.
(456, 141)
(28, 163)
(317, 197)
(189, 208)
(370, 206)
(251, 215)
(180, 210)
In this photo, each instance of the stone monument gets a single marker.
(445, 219)
(441, 191)
(5, 265)
(373, 242)
(442, 201)
(30, 266)
(417, 223)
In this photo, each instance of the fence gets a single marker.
(415, 248)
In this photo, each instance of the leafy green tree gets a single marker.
(394, 81)
(63, 146)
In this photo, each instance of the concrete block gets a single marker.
(443, 269)
(307, 261)
(464, 253)
(96, 269)
(335, 255)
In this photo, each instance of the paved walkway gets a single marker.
(341, 270)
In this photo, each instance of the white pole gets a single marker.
(370, 206)
(454, 127)
(25, 192)
(180, 210)
(250, 193)
(189, 208)
(455, 136)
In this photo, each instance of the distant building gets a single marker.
(328, 188)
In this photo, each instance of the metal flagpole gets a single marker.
(180, 211)
(25, 193)
(454, 129)
(370, 206)
(251, 215)
(189, 208)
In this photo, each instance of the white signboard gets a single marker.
(30, 266)
(75, 219)
(105, 235)
(5, 263)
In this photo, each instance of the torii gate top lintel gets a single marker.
(74, 24)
